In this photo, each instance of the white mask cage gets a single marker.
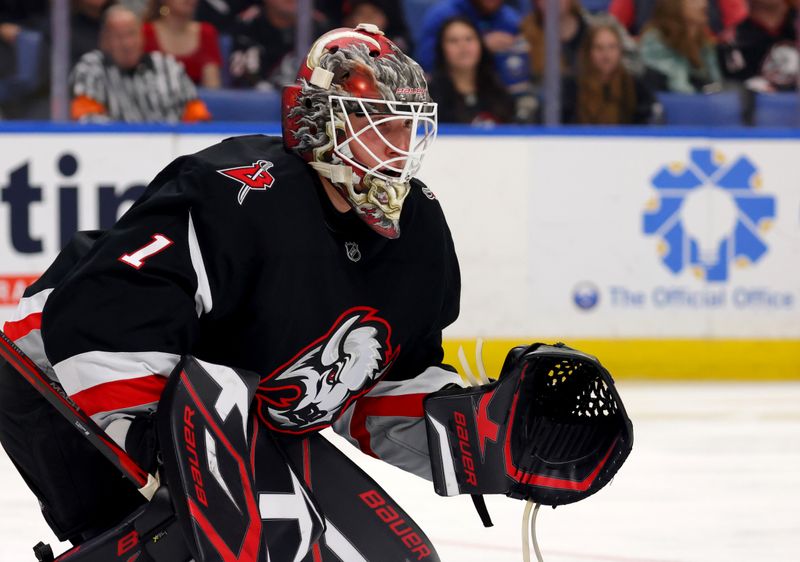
(421, 129)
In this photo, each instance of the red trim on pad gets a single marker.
(406, 405)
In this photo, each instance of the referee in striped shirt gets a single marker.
(120, 82)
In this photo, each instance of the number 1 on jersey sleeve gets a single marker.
(137, 258)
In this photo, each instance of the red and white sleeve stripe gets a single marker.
(111, 386)
(106, 386)
(389, 421)
(25, 329)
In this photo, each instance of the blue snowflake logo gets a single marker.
(709, 214)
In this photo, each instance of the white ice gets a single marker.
(714, 476)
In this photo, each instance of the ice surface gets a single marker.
(714, 476)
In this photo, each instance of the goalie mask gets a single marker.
(353, 87)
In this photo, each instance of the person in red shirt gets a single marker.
(170, 28)
(121, 82)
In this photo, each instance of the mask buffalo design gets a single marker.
(310, 390)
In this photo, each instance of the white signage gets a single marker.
(559, 237)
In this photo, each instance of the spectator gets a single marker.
(464, 83)
(30, 101)
(497, 22)
(263, 52)
(9, 31)
(723, 15)
(171, 28)
(572, 28)
(386, 14)
(604, 92)
(771, 23)
(780, 71)
(85, 26)
(224, 15)
(16, 15)
(123, 83)
(677, 49)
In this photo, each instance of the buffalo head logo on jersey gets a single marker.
(310, 390)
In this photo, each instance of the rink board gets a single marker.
(667, 359)
(666, 254)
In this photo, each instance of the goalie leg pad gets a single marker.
(363, 522)
(235, 493)
(149, 534)
(551, 429)
(204, 429)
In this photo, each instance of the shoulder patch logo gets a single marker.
(428, 193)
(254, 176)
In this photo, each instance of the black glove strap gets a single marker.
(483, 511)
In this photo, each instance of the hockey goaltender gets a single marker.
(264, 289)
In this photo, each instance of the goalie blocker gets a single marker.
(551, 429)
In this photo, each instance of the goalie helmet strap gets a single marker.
(337, 174)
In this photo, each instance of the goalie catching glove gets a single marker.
(551, 429)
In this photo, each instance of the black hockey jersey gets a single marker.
(237, 256)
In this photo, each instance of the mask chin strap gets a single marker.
(337, 173)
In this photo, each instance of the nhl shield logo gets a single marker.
(353, 252)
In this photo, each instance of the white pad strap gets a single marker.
(321, 78)
(335, 173)
(369, 28)
(149, 489)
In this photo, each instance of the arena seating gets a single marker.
(721, 109)
(242, 105)
(777, 110)
(29, 46)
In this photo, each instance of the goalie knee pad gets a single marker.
(551, 429)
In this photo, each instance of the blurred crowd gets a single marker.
(151, 60)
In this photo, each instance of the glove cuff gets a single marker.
(552, 429)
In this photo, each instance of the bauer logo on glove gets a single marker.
(551, 429)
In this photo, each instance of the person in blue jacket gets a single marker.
(497, 22)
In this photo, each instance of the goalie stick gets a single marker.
(55, 395)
